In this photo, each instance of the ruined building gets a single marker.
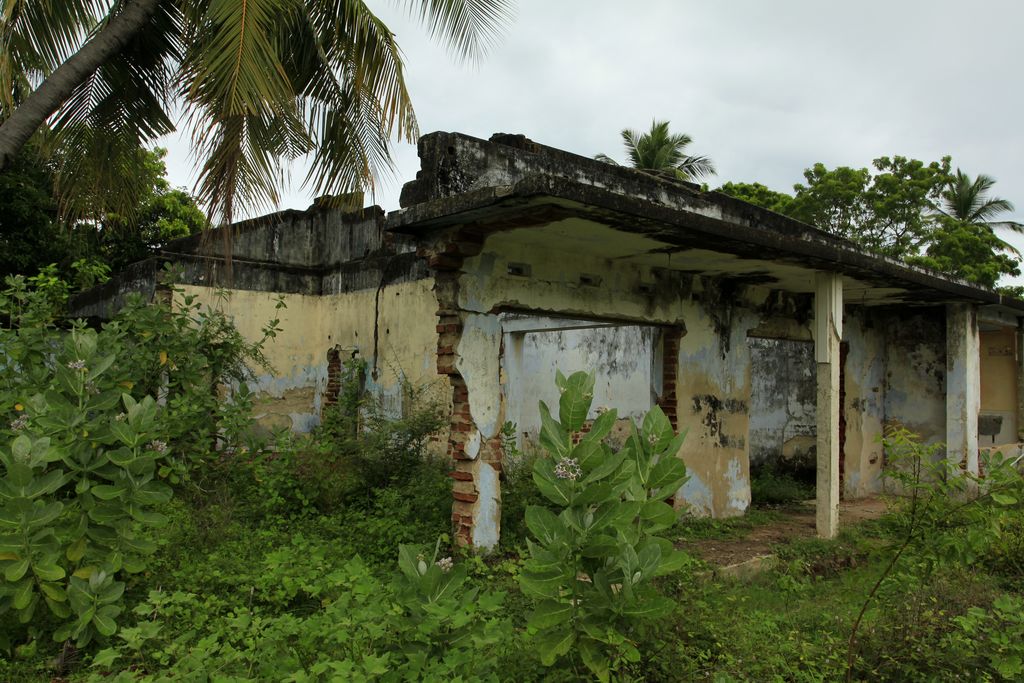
(508, 259)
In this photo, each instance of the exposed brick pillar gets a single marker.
(333, 377)
(669, 374)
(467, 452)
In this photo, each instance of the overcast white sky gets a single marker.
(765, 89)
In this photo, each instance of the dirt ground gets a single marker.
(797, 523)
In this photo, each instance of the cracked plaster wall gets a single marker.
(713, 393)
(783, 402)
(865, 378)
(713, 382)
(915, 377)
(623, 356)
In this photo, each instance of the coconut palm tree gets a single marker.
(256, 82)
(967, 202)
(663, 152)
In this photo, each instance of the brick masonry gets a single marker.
(669, 374)
(445, 259)
(334, 379)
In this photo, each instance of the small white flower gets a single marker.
(19, 423)
(121, 417)
(446, 564)
(77, 365)
(157, 445)
(568, 468)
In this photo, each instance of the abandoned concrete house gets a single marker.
(761, 336)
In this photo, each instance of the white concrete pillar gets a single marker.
(963, 385)
(828, 332)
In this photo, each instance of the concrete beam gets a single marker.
(828, 332)
(963, 385)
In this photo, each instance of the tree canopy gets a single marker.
(34, 233)
(919, 212)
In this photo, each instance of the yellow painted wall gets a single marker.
(999, 382)
(291, 395)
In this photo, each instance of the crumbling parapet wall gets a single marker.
(350, 289)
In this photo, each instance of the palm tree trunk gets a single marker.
(58, 86)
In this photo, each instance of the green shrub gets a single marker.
(96, 423)
(945, 520)
(518, 491)
(358, 452)
(380, 448)
(591, 568)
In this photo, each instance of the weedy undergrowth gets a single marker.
(946, 517)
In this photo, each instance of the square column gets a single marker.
(828, 332)
(963, 385)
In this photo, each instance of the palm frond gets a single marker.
(966, 200)
(696, 168)
(469, 28)
(97, 172)
(358, 100)
(235, 65)
(36, 36)
(100, 133)
(1012, 226)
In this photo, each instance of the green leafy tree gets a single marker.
(833, 200)
(759, 195)
(37, 230)
(662, 151)
(258, 82)
(969, 251)
(163, 214)
(30, 236)
(886, 212)
(592, 563)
